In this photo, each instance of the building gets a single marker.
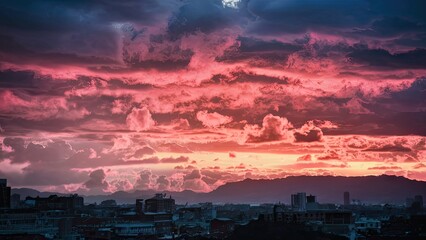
(159, 204)
(190, 214)
(139, 206)
(366, 225)
(31, 221)
(311, 199)
(54, 202)
(15, 200)
(163, 222)
(323, 216)
(134, 229)
(221, 227)
(346, 199)
(4, 194)
(311, 203)
(298, 201)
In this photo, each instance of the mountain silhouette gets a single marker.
(328, 189)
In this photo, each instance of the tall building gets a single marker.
(4, 194)
(298, 201)
(15, 200)
(159, 203)
(311, 202)
(139, 206)
(346, 198)
(311, 199)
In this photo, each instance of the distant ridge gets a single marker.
(328, 189)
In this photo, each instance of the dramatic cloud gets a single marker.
(172, 95)
(144, 181)
(306, 157)
(140, 120)
(212, 119)
(274, 128)
(97, 180)
(144, 151)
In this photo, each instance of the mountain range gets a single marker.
(327, 189)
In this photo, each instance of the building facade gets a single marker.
(298, 201)
(159, 203)
(4, 194)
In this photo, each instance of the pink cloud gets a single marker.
(385, 168)
(213, 119)
(119, 106)
(144, 180)
(221, 79)
(419, 165)
(303, 158)
(97, 181)
(308, 133)
(355, 106)
(39, 107)
(162, 183)
(180, 159)
(173, 147)
(140, 119)
(274, 128)
(120, 185)
(180, 124)
(314, 165)
(143, 151)
(329, 155)
(193, 175)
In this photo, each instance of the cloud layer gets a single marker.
(174, 95)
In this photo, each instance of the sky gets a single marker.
(171, 95)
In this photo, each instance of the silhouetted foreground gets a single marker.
(260, 230)
(159, 217)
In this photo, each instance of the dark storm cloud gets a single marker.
(54, 152)
(47, 164)
(144, 151)
(416, 41)
(135, 62)
(57, 160)
(414, 95)
(17, 79)
(246, 76)
(381, 58)
(31, 83)
(389, 148)
(331, 16)
(97, 180)
(406, 116)
(79, 26)
(293, 16)
(14, 52)
(205, 16)
(410, 9)
(259, 52)
(312, 135)
(87, 33)
(78, 70)
(392, 26)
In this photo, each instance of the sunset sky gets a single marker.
(101, 96)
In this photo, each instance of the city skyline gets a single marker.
(99, 97)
